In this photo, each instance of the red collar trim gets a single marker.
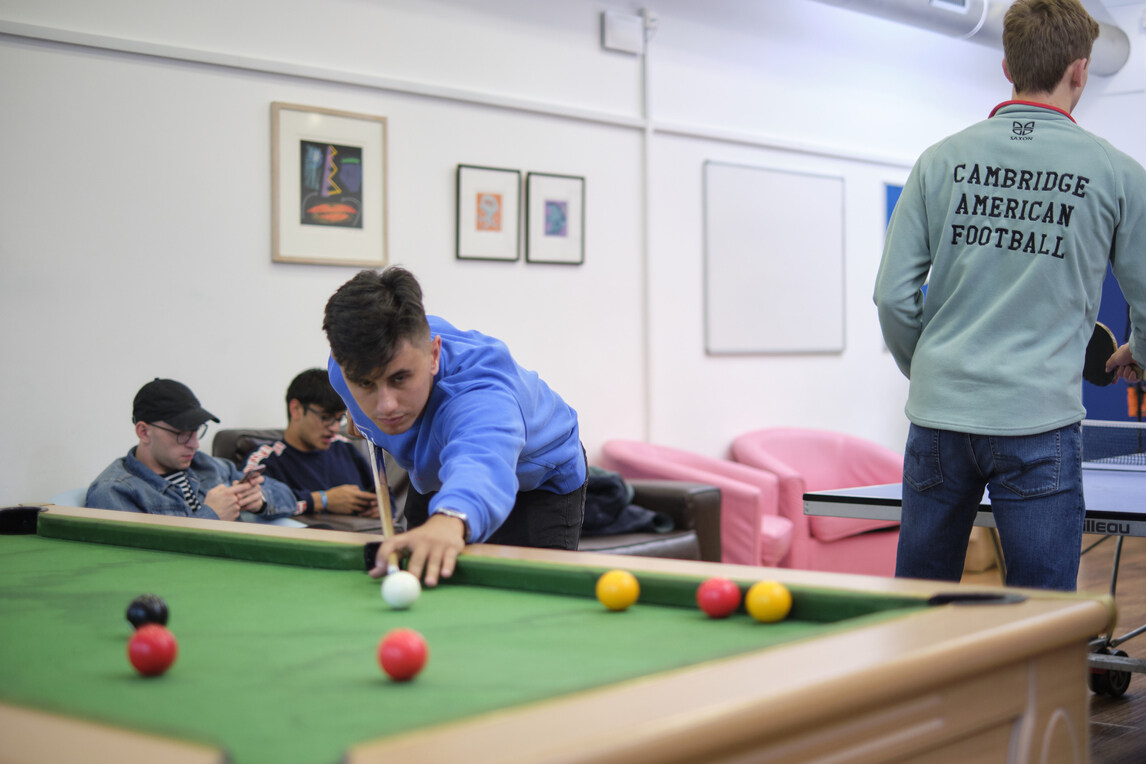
(1031, 103)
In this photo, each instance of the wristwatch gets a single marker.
(459, 515)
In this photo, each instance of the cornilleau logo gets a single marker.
(1022, 130)
(1106, 527)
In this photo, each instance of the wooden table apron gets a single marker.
(277, 658)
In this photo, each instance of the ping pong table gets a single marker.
(1114, 484)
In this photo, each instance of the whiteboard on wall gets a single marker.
(773, 261)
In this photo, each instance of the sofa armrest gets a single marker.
(236, 444)
(692, 506)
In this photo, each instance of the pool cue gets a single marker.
(382, 491)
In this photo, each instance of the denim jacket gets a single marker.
(130, 485)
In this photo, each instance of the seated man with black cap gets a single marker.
(167, 474)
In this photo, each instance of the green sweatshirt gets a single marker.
(1015, 219)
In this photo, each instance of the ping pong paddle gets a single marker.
(1098, 351)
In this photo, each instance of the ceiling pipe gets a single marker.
(981, 21)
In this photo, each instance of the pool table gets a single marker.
(278, 630)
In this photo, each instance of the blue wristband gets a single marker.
(322, 495)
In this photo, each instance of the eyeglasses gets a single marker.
(183, 437)
(328, 419)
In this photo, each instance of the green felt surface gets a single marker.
(278, 662)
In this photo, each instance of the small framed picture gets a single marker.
(555, 221)
(489, 204)
(328, 186)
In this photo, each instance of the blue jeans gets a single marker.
(1035, 484)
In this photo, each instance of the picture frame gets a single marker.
(555, 221)
(328, 186)
(488, 213)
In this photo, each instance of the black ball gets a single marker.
(147, 608)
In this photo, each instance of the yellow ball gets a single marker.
(768, 601)
(618, 589)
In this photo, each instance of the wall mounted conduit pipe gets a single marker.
(981, 21)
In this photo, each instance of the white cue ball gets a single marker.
(401, 589)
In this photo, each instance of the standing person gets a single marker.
(1015, 218)
(493, 453)
(167, 474)
(324, 469)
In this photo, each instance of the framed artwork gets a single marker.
(555, 221)
(328, 186)
(489, 204)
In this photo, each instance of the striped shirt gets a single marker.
(179, 480)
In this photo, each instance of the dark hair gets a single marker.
(370, 316)
(312, 388)
(1041, 38)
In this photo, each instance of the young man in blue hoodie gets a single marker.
(494, 455)
(1012, 223)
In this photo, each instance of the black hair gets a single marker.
(312, 388)
(370, 316)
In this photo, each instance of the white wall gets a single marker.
(135, 213)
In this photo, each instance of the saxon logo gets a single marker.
(1023, 128)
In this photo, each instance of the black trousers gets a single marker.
(538, 519)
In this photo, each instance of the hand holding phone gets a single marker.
(250, 474)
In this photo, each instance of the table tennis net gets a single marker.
(1114, 442)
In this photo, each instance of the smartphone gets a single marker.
(258, 469)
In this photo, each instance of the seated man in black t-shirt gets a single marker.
(324, 469)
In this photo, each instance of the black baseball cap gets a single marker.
(165, 400)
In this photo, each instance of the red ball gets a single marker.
(402, 653)
(718, 597)
(152, 649)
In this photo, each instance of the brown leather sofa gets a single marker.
(695, 510)
(694, 507)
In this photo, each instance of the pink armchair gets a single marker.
(816, 460)
(751, 531)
